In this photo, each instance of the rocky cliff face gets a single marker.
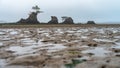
(68, 20)
(53, 20)
(32, 19)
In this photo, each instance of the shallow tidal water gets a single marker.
(59, 47)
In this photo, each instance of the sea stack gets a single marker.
(32, 19)
(54, 20)
(68, 20)
(90, 22)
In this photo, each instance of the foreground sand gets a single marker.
(60, 47)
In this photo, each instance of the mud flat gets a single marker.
(60, 47)
(43, 25)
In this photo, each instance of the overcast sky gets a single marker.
(80, 10)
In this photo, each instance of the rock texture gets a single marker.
(53, 20)
(32, 19)
(90, 22)
(68, 20)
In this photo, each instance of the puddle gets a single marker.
(98, 51)
(117, 46)
(2, 63)
(2, 33)
(118, 37)
(84, 37)
(53, 47)
(22, 50)
(5, 39)
(1, 44)
(70, 31)
(117, 43)
(104, 40)
(30, 49)
(13, 32)
(28, 41)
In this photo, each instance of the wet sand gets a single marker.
(60, 47)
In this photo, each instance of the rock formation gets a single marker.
(68, 20)
(32, 19)
(90, 22)
(53, 20)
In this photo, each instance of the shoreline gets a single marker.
(56, 25)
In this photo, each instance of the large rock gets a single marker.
(68, 20)
(53, 20)
(32, 19)
(90, 22)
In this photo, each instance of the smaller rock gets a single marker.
(53, 20)
(90, 22)
(68, 20)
